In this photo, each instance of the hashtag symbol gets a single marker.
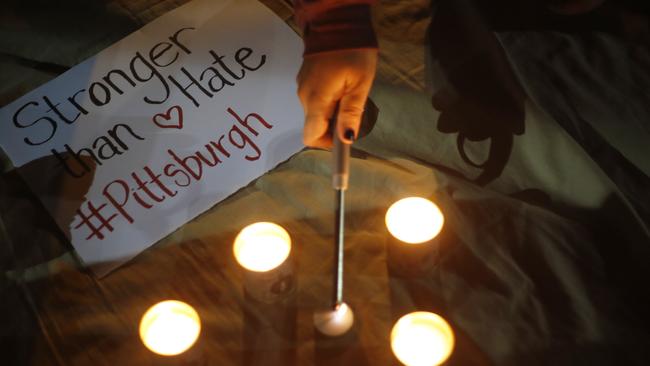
(95, 213)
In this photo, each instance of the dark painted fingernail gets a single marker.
(349, 135)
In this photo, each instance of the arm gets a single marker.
(335, 24)
(338, 66)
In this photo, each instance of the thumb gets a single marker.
(349, 115)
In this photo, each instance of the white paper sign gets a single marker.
(131, 144)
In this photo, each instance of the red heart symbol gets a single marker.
(170, 122)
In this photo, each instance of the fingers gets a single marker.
(318, 109)
(316, 133)
(350, 112)
(343, 77)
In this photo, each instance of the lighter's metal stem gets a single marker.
(338, 249)
(340, 174)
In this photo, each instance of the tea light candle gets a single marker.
(262, 246)
(170, 327)
(422, 339)
(414, 220)
(262, 249)
(414, 224)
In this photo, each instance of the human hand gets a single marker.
(328, 78)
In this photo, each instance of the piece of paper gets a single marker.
(131, 144)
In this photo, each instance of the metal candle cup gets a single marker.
(264, 249)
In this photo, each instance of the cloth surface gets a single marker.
(545, 263)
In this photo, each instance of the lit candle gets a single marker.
(422, 339)
(414, 224)
(170, 327)
(263, 248)
(414, 220)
